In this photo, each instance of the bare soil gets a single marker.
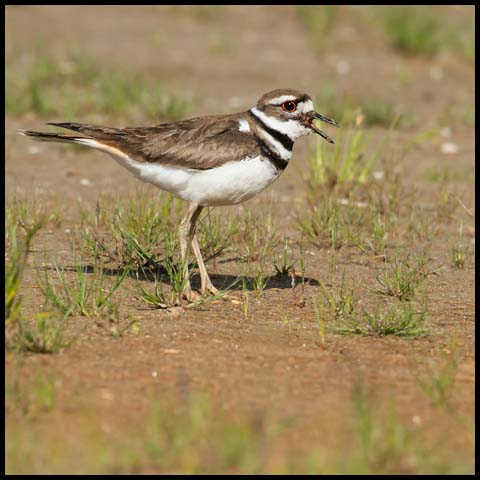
(272, 360)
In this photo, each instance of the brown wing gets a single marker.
(198, 143)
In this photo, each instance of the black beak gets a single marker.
(321, 117)
(318, 116)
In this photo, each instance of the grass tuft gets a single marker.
(79, 85)
(86, 295)
(46, 333)
(319, 21)
(341, 301)
(361, 110)
(403, 279)
(412, 30)
(405, 320)
(460, 252)
(158, 298)
(348, 165)
(420, 30)
(16, 254)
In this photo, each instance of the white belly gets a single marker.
(231, 183)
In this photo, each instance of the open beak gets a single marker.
(318, 116)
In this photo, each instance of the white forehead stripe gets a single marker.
(292, 128)
(283, 98)
(244, 125)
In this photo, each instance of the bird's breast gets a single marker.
(231, 183)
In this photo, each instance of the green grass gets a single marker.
(377, 241)
(321, 227)
(341, 300)
(87, 294)
(404, 320)
(256, 236)
(187, 437)
(361, 110)
(333, 223)
(194, 436)
(158, 298)
(16, 254)
(259, 279)
(133, 234)
(461, 111)
(422, 30)
(319, 21)
(320, 321)
(446, 175)
(437, 381)
(419, 226)
(45, 333)
(403, 278)
(30, 398)
(460, 253)
(349, 164)
(215, 233)
(79, 85)
(384, 443)
(371, 235)
(412, 30)
(144, 232)
(245, 302)
(283, 263)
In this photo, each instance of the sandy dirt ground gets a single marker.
(270, 362)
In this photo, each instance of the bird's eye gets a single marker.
(289, 106)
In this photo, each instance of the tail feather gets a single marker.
(51, 137)
(93, 131)
(77, 127)
(120, 156)
(106, 139)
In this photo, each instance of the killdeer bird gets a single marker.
(207, 161)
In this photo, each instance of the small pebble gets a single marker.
(449, 148)
(416, 420)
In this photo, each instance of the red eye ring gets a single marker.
(289, 106)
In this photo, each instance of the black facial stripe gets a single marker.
(285, 140)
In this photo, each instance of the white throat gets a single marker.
(292, 128)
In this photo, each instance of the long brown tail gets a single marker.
(50, 137)
(88, 131)
(93, 138)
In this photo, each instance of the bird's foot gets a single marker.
(208, 289)
(190, 296)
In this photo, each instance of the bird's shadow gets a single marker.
(157, 272)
